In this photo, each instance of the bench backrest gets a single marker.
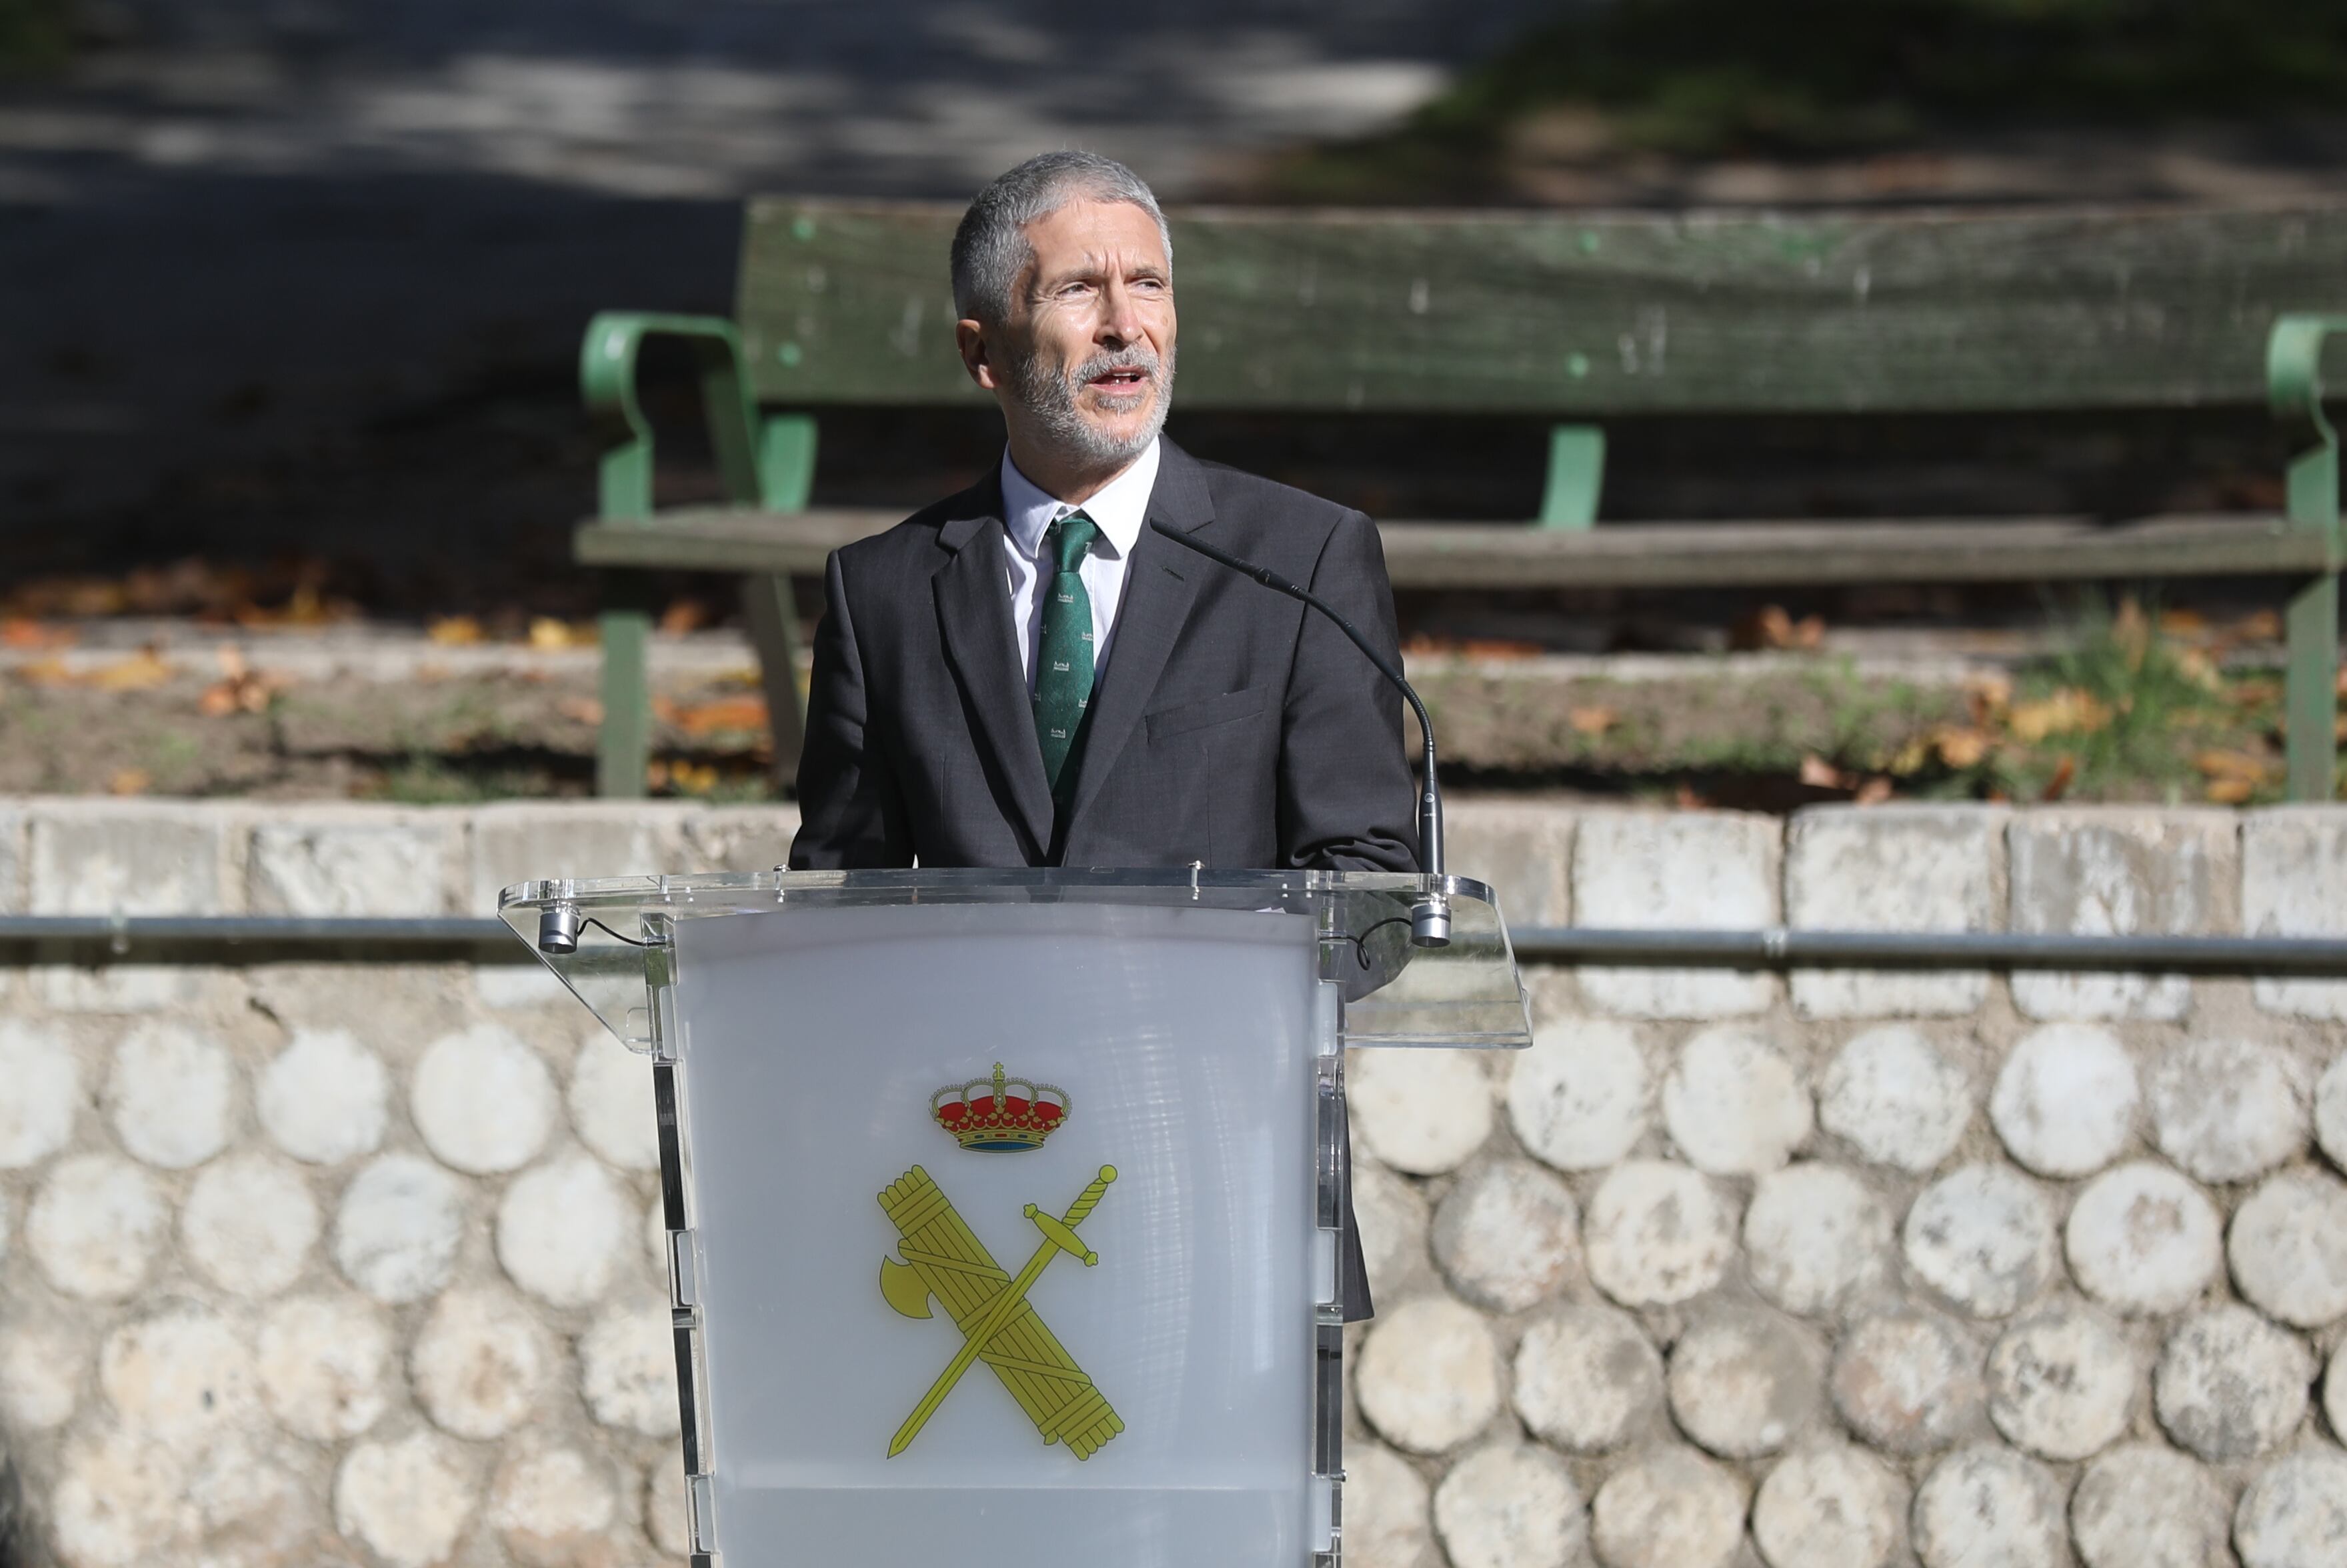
(1552, 314)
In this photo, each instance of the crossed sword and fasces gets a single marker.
(942, 1258)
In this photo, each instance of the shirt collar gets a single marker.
(1120, 508)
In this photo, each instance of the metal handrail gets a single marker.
(216, 938)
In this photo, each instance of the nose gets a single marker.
(1120, 323)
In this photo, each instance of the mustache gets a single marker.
(1132, 357)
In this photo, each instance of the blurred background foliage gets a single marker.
(34, 34)
(1793, 79)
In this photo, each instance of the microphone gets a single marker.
(1430, 918)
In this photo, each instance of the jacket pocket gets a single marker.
(1184, 717)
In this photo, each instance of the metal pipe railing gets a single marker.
(217, 939)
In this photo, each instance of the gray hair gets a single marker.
(990, 245)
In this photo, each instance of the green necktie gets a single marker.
(1063, 656)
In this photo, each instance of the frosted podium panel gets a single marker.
(1004, 1233)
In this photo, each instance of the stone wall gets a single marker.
(1839, 1270)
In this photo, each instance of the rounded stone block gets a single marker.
(2334, 1392)
(1423, 1112)
(1828, 1508)
(1983, 1237)
(560, 1229)
(1429, 1377)
(1815, 1236)
(483, 1101)
(1580, 1098)
(249, 1224)
(1668, 1508)
(1392, 1215)
(2226, 1109)
(611, 1103)
(480, 1364)
(1733, 1106)
(2330, 1111)
(121, 1502)
(181, 1377)
(627, 1370)
(1657, 1234)
(170, 1095)
(1743, 1382)
(407, 1500)
(668, 1518)
(2064, 1101)
(323, 1363)
(36, 1114)
(553, 1509)
(1508, 1237)
(2147, 1507)
(1906, 1383)
(1989, 1505)
(2062, 1384)
(2230, 1385)
(2144, 1241)
(324, 1098)
(2289, 1247)
(397, 1230)
(1386, 1512)
(1509, 1506)
(94, 1224)
(1896, 1099)
(40, 1377)
(1587, 1379)
(2295, 1515)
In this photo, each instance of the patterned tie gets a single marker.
(1063, 659)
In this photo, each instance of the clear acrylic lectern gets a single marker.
(1003, 1205)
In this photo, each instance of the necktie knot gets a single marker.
(1069, 538)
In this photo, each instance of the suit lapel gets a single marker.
(974, 617)
(1161, 582)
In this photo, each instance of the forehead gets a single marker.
(1086, 233)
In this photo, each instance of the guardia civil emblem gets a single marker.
(940, 1259)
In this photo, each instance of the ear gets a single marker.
(976, 354)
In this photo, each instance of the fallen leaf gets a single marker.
(129, 780)
(2232, 764)
(1819, 773)
(1591, 722)
(451, 630)
(1988, 693)
(2229, 792)
(584, 710)
(1911, 757)
(50, 672)
(1770, 627)
(1686, 798)
(684, 615)
(1873, 791)
(1960, 747)
(140, 672)
(2183, 622)
(546, 632)
(2067, 712)
(23, 631)
(2059, 784)
(722, 715)
(2260, 625)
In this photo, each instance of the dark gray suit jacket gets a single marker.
(1231, 725)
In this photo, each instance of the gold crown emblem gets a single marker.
(999, 1115)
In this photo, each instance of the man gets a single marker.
(1026, 674)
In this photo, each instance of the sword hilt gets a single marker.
(1061, 1231)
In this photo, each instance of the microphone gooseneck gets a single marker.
(1429, 919)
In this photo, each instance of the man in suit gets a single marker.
(1026, 674)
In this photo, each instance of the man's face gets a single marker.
(1090, 339)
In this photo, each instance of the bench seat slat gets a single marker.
(1620, 555)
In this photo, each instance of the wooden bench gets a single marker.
(1575, 319)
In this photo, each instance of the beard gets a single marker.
(1050, 398)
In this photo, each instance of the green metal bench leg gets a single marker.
(771, 615)
(2309, 697)
(1576, 473)
(623, 746)
(2310, 700)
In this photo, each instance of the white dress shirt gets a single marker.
(1119, 510)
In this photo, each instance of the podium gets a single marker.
(1003, 1207)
